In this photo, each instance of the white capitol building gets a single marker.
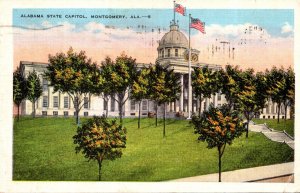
(172, 51)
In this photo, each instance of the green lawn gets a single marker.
(287, 125)
(43, 149)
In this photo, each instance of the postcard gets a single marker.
(146, 96)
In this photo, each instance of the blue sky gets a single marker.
(270, 19)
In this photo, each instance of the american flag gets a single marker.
(197, 24)
(180, 9)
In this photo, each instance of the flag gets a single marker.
(197, 24)
(179, 9)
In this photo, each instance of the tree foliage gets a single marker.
(278, 87)
(98, 139)
(252, 94)
(118, 78)
(19, 89)
(204, 83)
(164, 86)
(218, 127)
(71, 73)
(34, 89)
(230, 79)
(140, 88)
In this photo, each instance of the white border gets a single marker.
(6, 64)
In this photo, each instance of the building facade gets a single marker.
(172, 51)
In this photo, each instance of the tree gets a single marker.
(19, 89)
(218, 127)
(140, 89)
(71, 73)
(289, 94)
(118, 79)
(34, 89)
(204, 83)
(277, 87)
(164, 87)
(99, 139)
(252, 94)
(230, 79)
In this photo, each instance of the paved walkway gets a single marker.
(262, 173)
(278, 136)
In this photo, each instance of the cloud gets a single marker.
(258, 49)
(286, 28)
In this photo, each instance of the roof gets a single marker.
(174, 38)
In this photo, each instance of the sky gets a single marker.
(255, 38)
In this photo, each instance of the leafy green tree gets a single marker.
(230, 79)
(204, 83)
(218, 127)
(99, 139)
(164, 87)
(252, 95)
(277, 87)
(140, 89)
(71, 73)
(118, 79)
(289, 94)
(19, 89)
(34, 89)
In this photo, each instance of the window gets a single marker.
(55, 113)
(66, 102)
(55, 101)
(132, 105)
(44, 113)
(144, 105)
(45, 101)
(86, 114)
(66, 113)
(219, 95)
(268, 109)
(105, 104)
(169, 52)
(45, 84)
(163, 53)
(86, 102)
(112, 104)
(176, 52)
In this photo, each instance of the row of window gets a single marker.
(66, 113)
(132, 105)
(66, 102)
(168, 53)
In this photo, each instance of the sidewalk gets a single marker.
(247, 175)
(278, 136)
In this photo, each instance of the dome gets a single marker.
(173, 38)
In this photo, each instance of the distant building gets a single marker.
(172, 51)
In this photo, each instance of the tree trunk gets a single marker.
(247, 128)
(139, 122)
(285, 111)
(33, 106)
(156, 113)
(77, 116)
(121, 112)
(99, 171)
(278, 112)
(200, 105)
(18, 112)
(220, 162)
(106, 103)
(164, 131)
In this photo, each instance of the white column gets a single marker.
(181, 94)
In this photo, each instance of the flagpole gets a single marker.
(189, 63)
(174, 12)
